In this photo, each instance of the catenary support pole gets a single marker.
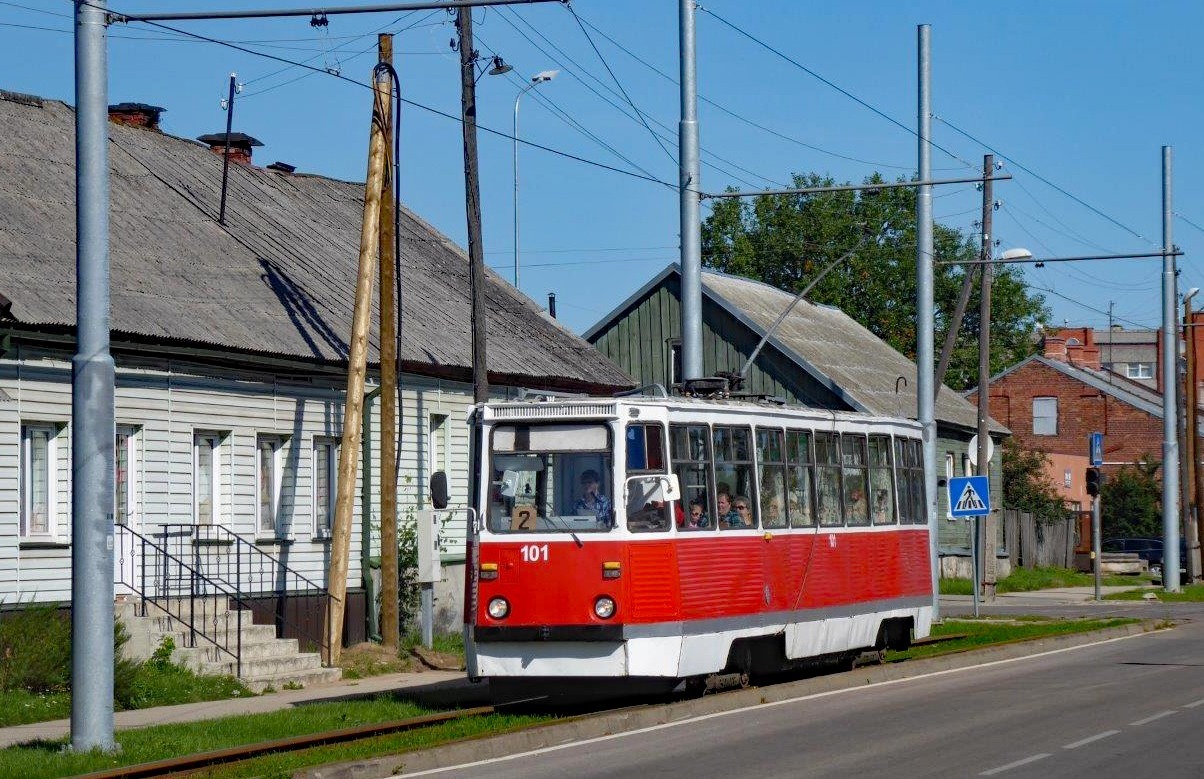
(390, 602)
(984, 541)
(690, 183)
(357, 363)
(1170, 365)
(925, 390)
(92, 416)
(472, 201)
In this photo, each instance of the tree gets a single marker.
(1131, 501)
(1026, 485)
(784, 240)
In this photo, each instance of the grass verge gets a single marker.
(1029, 579)
(1192, 593)
(966, 634)
(46, 759)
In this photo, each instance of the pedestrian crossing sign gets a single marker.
(969, 496)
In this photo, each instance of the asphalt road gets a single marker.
(1126, 708)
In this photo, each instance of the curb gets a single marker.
(609, 723)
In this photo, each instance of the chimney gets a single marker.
(1055, 347)
(136, 115)
(281, 167)
(240, 145)
(552, 304)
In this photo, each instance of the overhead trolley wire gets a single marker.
(833, 85)
(415, 104)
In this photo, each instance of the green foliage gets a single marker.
(1131, 501)
(785, 240)
(1026, 486)
(1030, 579)
(35, 652)
(1191, 593)
(963, 634)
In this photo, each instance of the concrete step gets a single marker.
(258, 650)
(263, 667)
(303, 679)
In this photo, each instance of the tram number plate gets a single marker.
(534, 553)
(523, 518)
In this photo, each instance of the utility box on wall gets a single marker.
(429, 568)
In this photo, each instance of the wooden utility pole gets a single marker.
(984, 377)
(1191, 524)
(959, 311)
(472, 199)
(389, 606)
(357, 360)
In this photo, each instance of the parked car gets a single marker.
(1148, 549)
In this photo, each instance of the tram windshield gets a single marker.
(551, 478)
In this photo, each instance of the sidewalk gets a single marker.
(444, 688)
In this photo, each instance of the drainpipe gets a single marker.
(373, 619)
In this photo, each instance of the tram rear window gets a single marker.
(551, 478)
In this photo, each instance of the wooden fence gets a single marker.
(1032, 543)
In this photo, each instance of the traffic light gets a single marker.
(1095, 480)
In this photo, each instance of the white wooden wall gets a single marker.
(167, 402)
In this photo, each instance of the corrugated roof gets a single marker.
(278, 278)
(831, 345)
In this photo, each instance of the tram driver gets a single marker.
(593, 501)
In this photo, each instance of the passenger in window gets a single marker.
(698, 515)
(592, 501)
(727, 516)
(743, 513)
(771, 512)
(882, 507)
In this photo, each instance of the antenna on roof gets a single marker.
(782, 317)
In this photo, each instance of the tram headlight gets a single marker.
(604, 607)
(499, 608)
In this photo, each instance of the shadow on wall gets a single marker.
(298, 303)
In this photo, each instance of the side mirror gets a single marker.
(660, 487)
(439, 497)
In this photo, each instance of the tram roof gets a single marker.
(826, 343)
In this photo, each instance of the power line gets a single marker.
(833, 85)
(412, 103)
(740, 117)
(1190, 222)
(1012, 160)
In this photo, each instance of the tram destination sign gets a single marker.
(969, 496)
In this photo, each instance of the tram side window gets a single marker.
(801, 500)
(853, 475)
(827, 473)
(911, 481)
(690, 451)
(734, 476)
(772, 463)
(882, 488)
(646, 511)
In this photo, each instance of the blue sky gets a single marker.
(1083, 94)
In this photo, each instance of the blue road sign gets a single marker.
(1095, 447)
(969, 496)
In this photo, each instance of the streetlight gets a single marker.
(536, 80)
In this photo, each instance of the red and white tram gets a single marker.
(717, 537)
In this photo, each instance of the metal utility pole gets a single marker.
(221, 215)
(925, 390)
(92, 416)
(1170, 364)
(389, 596)
(987, 545)
(472, 199)
(1191, 452)
(357, 360)
(690, 184)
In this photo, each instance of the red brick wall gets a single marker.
(1129, 433)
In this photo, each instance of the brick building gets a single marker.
(1053, 401)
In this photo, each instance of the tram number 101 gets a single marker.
(534, 553)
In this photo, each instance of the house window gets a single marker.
(1045, 416)
(208, 465)
(1140, 370)
(436, 447)
(326, 468)
(269, 467)
(674, 368)
(125, 469)
(39, 480)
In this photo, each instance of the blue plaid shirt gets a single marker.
(601, 508)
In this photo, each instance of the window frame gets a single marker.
(807, 467)
(706, 467)
(873, 488)
(829, 467)
(736, 463)
(53, 530)
(217, 515)
(778, 467)
(1139, 370)
(1045, 417)
(275, 444)
(670, 508)
(852, 517)
(133, 471)
(331, 458)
